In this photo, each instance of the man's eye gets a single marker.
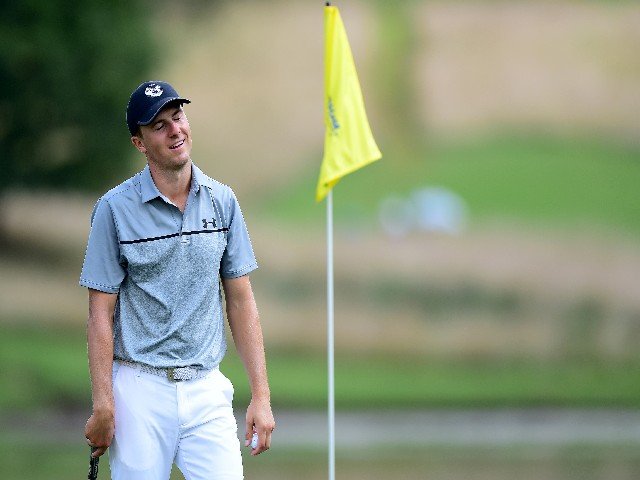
(158, 127)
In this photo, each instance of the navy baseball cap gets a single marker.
(146, 102)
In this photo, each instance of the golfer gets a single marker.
(162, 245)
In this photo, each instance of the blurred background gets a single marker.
(487, 268)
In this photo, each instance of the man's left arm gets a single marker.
(244, 321)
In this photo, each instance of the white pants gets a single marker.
(159, 422)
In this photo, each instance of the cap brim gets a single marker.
(159, 105)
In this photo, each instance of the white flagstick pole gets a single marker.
(330, 338)
(330, 334)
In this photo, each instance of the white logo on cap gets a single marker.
(153, 90)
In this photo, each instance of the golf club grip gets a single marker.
(93, 465)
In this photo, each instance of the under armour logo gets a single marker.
(205, 223)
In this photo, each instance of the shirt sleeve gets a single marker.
(102, 269)
(238, 258)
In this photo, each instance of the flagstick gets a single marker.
(330, 334)
(340, 72)
(330, 337)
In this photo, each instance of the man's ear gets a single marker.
(137, 142)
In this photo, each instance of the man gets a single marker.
(160, 245)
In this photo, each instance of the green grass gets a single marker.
(365, 382)
(528, 179)
(46, 367)
(34, 459)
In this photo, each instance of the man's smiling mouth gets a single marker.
(177, 145)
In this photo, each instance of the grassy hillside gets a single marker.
(562, 182)
(49, 370)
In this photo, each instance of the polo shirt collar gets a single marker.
(199, 178)
(149, 191)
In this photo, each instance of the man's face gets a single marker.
(166, 141)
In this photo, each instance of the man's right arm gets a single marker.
(101, 425)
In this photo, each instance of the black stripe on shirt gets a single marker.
(163, 237)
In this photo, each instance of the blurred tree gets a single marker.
(67, 68)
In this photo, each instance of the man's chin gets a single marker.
(174, 164)
(181, 159)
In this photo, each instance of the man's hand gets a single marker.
(259, 420)
(99, 431)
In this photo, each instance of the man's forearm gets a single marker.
(247, 335)
(100, 348)
(244, 321)
(100, 351)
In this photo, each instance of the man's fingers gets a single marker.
(99, 452)
(267, 440)
(96, 451)
(264, 442)
(248, 432)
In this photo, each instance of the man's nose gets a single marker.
(174, 128)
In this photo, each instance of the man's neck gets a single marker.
(173, 184)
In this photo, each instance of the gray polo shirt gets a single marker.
(166, 266)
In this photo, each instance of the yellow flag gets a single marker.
(348, 143)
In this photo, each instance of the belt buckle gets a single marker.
(178, 374)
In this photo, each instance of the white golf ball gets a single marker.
(254, 441)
